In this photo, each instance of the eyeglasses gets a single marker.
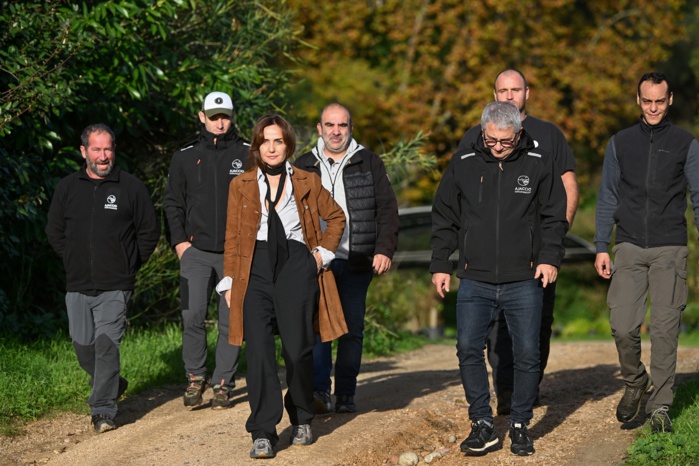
(505, 143)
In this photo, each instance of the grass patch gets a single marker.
(679, 448)
(37, 380)
(43, 378)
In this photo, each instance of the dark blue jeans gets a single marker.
(352, 287)
(478, 305)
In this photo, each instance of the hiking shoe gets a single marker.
(482, 437)
(123, 385)
(103, 423)
(504, 404)
(261, 448)
(301, 435)
(521, 443)
(660, 421)
(223, 398)
(630, 403)
(345, 404)
(322, 403)
(197, 385)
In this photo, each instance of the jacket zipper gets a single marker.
(215, 193)
(497, 226)
(645, 217)
(92, 224)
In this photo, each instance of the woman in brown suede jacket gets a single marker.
(274, 268)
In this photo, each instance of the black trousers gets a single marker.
(499, 345)
(286, 307)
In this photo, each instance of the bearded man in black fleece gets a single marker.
(103, 225)
(195, 205)
(504, 206)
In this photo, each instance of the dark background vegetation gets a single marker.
(415, 73)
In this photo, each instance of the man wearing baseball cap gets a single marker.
(195, 205)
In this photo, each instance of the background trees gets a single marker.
(404, 67)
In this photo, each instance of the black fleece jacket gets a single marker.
(103, 229)
(196, 194)
(506, 216)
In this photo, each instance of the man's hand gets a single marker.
(603, 265)
(547, 273)
(228, 298)
(381, 263)
(181, 248)
(441, 282)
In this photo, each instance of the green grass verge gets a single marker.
(679, 448)
(43, 378)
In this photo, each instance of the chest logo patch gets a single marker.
(523, 185)
(236, 167)
(111, 202)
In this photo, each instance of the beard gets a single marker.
(94, 168)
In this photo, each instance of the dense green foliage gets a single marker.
(141, 66)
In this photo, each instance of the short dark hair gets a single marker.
(258, 137)
(510, 70)
(96, 128)
(656, 78)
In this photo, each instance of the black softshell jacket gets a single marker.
(505, 216)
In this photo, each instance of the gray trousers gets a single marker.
(662, 273)
(96, 325)
(199, 273)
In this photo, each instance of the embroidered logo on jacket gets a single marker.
(111, 202)
(523, 188)
(237, 167)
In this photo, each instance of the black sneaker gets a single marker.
(482, 437)
(521, 443)
(322, 403)
(345, 404)
(123, 385)
(660, 421)
(301, 435)
(102, 423)
(630, 403)
(223, 398)
(262, 448)
(196, 387)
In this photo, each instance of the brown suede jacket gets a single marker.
(244, 213)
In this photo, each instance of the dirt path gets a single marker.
(412, 402)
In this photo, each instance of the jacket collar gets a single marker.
(113, 175)
(319, 153)
(525, 144)
(222, 140)
(648, 129)
(251, 191)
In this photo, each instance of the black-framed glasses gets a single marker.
(505, 143)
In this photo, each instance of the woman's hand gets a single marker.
(319, 260)
(228, 298)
